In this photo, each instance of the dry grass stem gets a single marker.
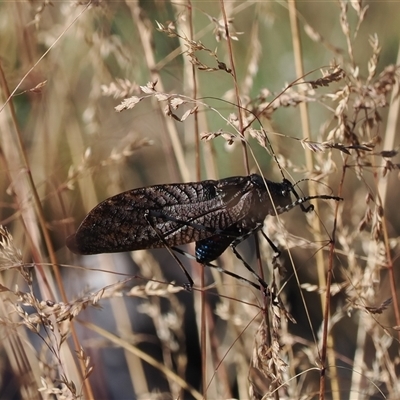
(100, 98)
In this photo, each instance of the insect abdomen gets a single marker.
(209, 249)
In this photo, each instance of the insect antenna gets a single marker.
(312, 180)
(300, 200)
(269, 148)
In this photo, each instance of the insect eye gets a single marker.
(287, 188)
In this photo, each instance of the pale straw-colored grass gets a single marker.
(113, 96)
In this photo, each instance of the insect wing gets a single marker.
(148, 217)
(173, 214)
(121, 223)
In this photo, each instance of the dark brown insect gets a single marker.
(213, 213)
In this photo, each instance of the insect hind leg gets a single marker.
(227, 238)
(219, 269)
(265, 287)
(273, 246)
(187, 286)
(261, 281)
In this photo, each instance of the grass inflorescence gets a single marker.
(99, 98)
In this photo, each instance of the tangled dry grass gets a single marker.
(200, 92)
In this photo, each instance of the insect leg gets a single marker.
(150, 215)
(273, 246)
(190, 283)
(219, 269)
(210, 248)
(256, 276)
(261, 281)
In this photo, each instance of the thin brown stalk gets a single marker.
(390, 143)
(323, 281)
(247, 168)
(172, 138)
(206, 322)
(143, 355)
(42, 223)
(237, 95)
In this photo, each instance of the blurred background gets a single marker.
(99, 327)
